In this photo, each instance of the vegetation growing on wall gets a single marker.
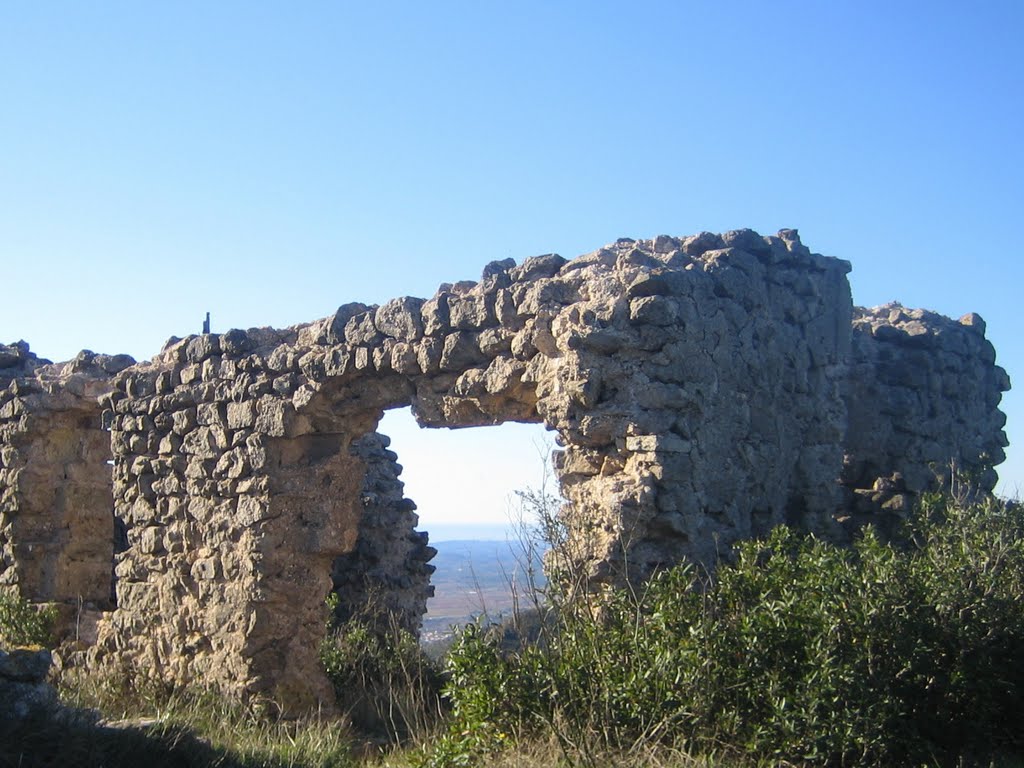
(23, 624)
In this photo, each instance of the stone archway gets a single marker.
(645, 358)
(704, 389)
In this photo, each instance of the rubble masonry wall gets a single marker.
(704, 389)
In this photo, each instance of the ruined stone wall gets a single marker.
(922, 397)
(694, 383)
(386, 577)
(56, 531)
(711, 406)
(222, 555)
(704, 389)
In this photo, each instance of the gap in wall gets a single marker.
(464, 484)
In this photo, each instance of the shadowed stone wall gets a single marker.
(386, 575)
(923, 392)
(704, 389)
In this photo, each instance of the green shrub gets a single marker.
(22, 623)
(382, 678)
(800, 651)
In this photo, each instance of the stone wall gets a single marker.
(703, 388)
(711, 409)
(922, 397)
(56, 537)
(694, 383)
(386, 576)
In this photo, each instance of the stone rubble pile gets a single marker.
(704, 388)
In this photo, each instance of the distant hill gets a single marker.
(475, 577)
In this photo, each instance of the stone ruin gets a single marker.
(704, 389)
(56, 534)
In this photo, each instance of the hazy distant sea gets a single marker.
(469, 532)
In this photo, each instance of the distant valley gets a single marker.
(477, 577)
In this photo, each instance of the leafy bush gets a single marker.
(800, 651)
(383, 680)
(22, 623)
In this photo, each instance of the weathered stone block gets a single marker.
(336, 327)
(272, 416)
(460, 351)
(653, 310)
(404, 360)
(240, 415)
(436, 320)
(237, 343)
(252, 509)
(537, 267)
(471, 312)
(199, 348)
(361, 330)
(401, 318)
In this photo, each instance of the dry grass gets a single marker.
(134, 724)
(121, 723)
(536, 753)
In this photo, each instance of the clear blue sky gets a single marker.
(270, 161)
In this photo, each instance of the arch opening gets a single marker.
(463, 484)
